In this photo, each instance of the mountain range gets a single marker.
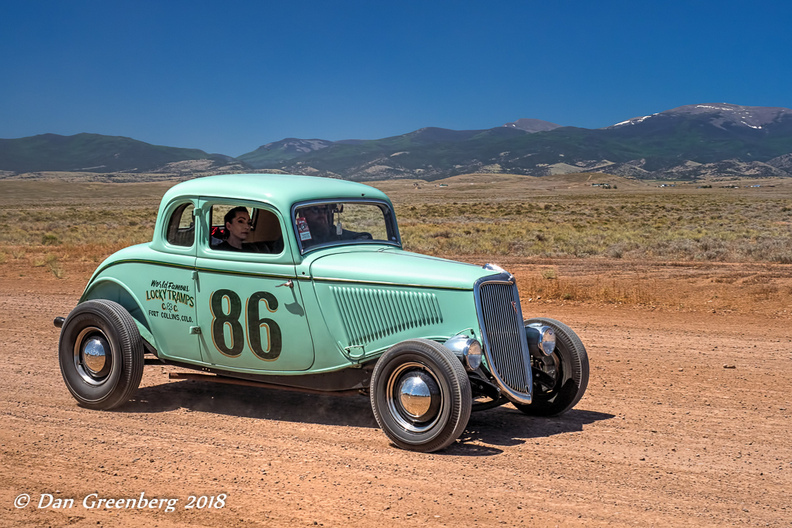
(95, 153)
(688, 142)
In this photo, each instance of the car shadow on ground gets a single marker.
(505, 426)
(486, 433)
(253, 402)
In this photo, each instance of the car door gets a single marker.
(169, 287)
(250, 307)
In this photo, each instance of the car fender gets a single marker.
(114, 290)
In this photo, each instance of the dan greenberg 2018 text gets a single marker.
(95, 501)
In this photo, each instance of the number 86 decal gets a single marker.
(255, 323)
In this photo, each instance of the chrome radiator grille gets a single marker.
(504, 338)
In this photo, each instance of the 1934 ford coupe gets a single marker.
(320, 296)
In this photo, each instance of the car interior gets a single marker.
(265, 231)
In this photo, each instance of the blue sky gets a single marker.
(230, 76)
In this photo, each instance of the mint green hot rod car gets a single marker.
(301, 283)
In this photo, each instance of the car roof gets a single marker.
(281, 190)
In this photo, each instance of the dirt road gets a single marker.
(686, 422)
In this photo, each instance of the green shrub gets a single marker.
(49, 239)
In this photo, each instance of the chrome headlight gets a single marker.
(547, 341)
(467, 349)
(541, 339)
(493, 267)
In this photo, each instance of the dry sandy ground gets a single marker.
(686, 422)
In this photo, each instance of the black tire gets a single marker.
(444, 413)
(560, 380)
(101, 354)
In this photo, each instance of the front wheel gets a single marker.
(559, 380)
(101, 354)
(420, 395)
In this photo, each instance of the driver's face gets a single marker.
(239, 227)
(317, 217)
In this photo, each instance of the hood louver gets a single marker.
(370, 314)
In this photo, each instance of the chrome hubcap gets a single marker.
(414, 397)
(415, 394)
(92, 356)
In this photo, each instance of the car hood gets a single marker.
(396, 267)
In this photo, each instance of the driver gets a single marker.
(237, 224)
(319, 228)
(320, 223)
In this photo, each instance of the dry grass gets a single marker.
(646, 224)
(598, 289)
(55, 226)
(74, 221)
(713, 287)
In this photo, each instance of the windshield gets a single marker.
(330, 223)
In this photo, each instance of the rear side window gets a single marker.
(181, 226)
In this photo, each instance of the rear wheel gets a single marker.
(420, 395)
(100, 354)
(559, 380)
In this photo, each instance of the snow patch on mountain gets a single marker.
(633, 121)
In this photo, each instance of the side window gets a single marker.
(236, 227)
(181, 226)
